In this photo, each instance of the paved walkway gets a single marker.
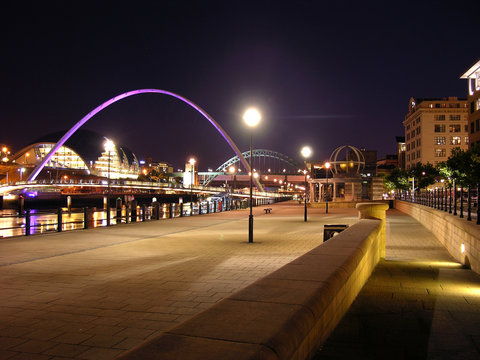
(92, 294)
(418, 304)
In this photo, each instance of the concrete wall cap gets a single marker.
(381, 206)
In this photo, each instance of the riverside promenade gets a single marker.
(92, 294)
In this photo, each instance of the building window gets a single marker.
(418, 142)
(472, 127)
(408, 127)
(418, 154)
(439, 128)
(413, 156)
(454, 128)
(408, 136)
(439, 117)
(417, 130)
(466, 128)
(440, 140)
(430, 106)
(466, 140)
(408, 157)
(477, 124)
(408, 147)
(413, 145)
(455, 140)
(412, 134)
(455, 117)
(440, 152)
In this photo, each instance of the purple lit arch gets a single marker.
(95, 111)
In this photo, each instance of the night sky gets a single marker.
(322, 73)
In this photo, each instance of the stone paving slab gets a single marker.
(418, 304)
(92, 294)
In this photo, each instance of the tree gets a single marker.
(396, 180)
(424, 175)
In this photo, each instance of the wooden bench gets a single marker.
(267, 210)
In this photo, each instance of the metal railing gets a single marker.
(32, 222)
(462, 201)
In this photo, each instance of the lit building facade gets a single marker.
(433, 127)
(473, 77)
(84, 153)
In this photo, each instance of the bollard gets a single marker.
(170, 210)
(85, 217)
(181, 209)
(27, 223)
(144, 212)
(157, 210)
(59, 220)
(108, 214)
(127, 213)
(134, 211)
(119, 211)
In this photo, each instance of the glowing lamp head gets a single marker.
(192, 161)
(109, 145)
(231, 169)
(306, 152)
(252, 117)
(327, 165)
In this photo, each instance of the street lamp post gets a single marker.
(192, 170)
(109, 147)
(306, 152)
(327, 166)
(251, 117)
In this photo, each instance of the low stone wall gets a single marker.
(286, 315)
(451, 231)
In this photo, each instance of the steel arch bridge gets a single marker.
(262, 159)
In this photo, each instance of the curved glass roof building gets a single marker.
(86, 151)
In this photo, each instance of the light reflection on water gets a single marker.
(40, 222)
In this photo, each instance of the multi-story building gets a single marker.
(473, 77)
(401, 148)
(433, 127)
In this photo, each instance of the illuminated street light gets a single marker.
(306, 153)
(327, 166)
(109, 147)
(192, 162)
(233, 170)
(251, 117)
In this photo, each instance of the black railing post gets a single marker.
(450, 199)
(478, 204)
(85, 217)
(59, 220)
(208, 207)
(454, 199)
(469, 204)
(461, 201)
(181, 209)
(441, 199)
(446, 199)
(144, 212)
(170, 210)
(27, 222)
(127, 213)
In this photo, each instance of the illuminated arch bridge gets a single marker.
(263, 161)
